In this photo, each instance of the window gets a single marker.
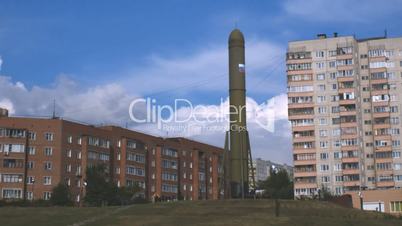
(68, 168)
(49, 136)
(322, 110)
(324, 168)
(47, 180)
(319, 54)
(396, 154)
(323, 121)
(320, 65)
(70, 139)
(12, 193)
(320, 76)
(47, 195)
(325, 179)
(132, 144)
(169, 176)
(135, 171)
(11, 178)
(30, 164)
(169, 164)
(321, 87)
(396, 206)
(48, 151)
(30, 180)
(104, 157)
(297, 89)
(169, 152)
(323, 144)
(48, 166)
(79, 155)
(31, 150)
(136, 157)
(323, 133)
(332, 64)
(13, 148)
(320, 99)
(338, 167)
(32, 135)
(169, 188)
(69, 153)
(324, 156)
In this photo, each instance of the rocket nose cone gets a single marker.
(236, 36)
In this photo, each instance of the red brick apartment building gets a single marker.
(37, 154)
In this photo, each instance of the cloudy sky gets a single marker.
(95, 57)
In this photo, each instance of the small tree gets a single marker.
(278, 185)
(100, 190)
(61, 195)
(128, 194)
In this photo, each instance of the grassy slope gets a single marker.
(211, 213)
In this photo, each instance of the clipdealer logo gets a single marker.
(183, 115)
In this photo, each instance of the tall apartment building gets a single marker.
(344, 102)
(38, 154)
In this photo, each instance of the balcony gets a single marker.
(305, 173)
(379, 81)
(381, 114)
(300, 105)
(345, 67)
(379, 92)
(304, 139)
(383, 148)
(305, 182)
(347, 102)
(350, 171)
(349, 148)
(304, 151)
(350, 159)
(304, 162)
(346, 78)
(345, 56)
(385, 184)
(300, 128)
(348, 124)
(351, 183)
(383, 160)
(378, 70)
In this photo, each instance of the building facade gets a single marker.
(263, 169)
(344, 103)
(38, 154)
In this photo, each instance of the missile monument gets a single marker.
(238, 167)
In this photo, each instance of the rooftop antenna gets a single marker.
(54, 109)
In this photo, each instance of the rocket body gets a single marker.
(238, 135)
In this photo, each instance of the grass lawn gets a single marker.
(208, 213)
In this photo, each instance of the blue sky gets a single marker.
(105, 52)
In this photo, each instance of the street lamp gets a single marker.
(33, 186)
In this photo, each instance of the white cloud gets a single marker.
(7, 104)
(341, 10)
(99, 104)
(207, 69)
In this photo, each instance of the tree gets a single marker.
(61, 195)
(129, 194)
(100, 190)
(278, 185)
